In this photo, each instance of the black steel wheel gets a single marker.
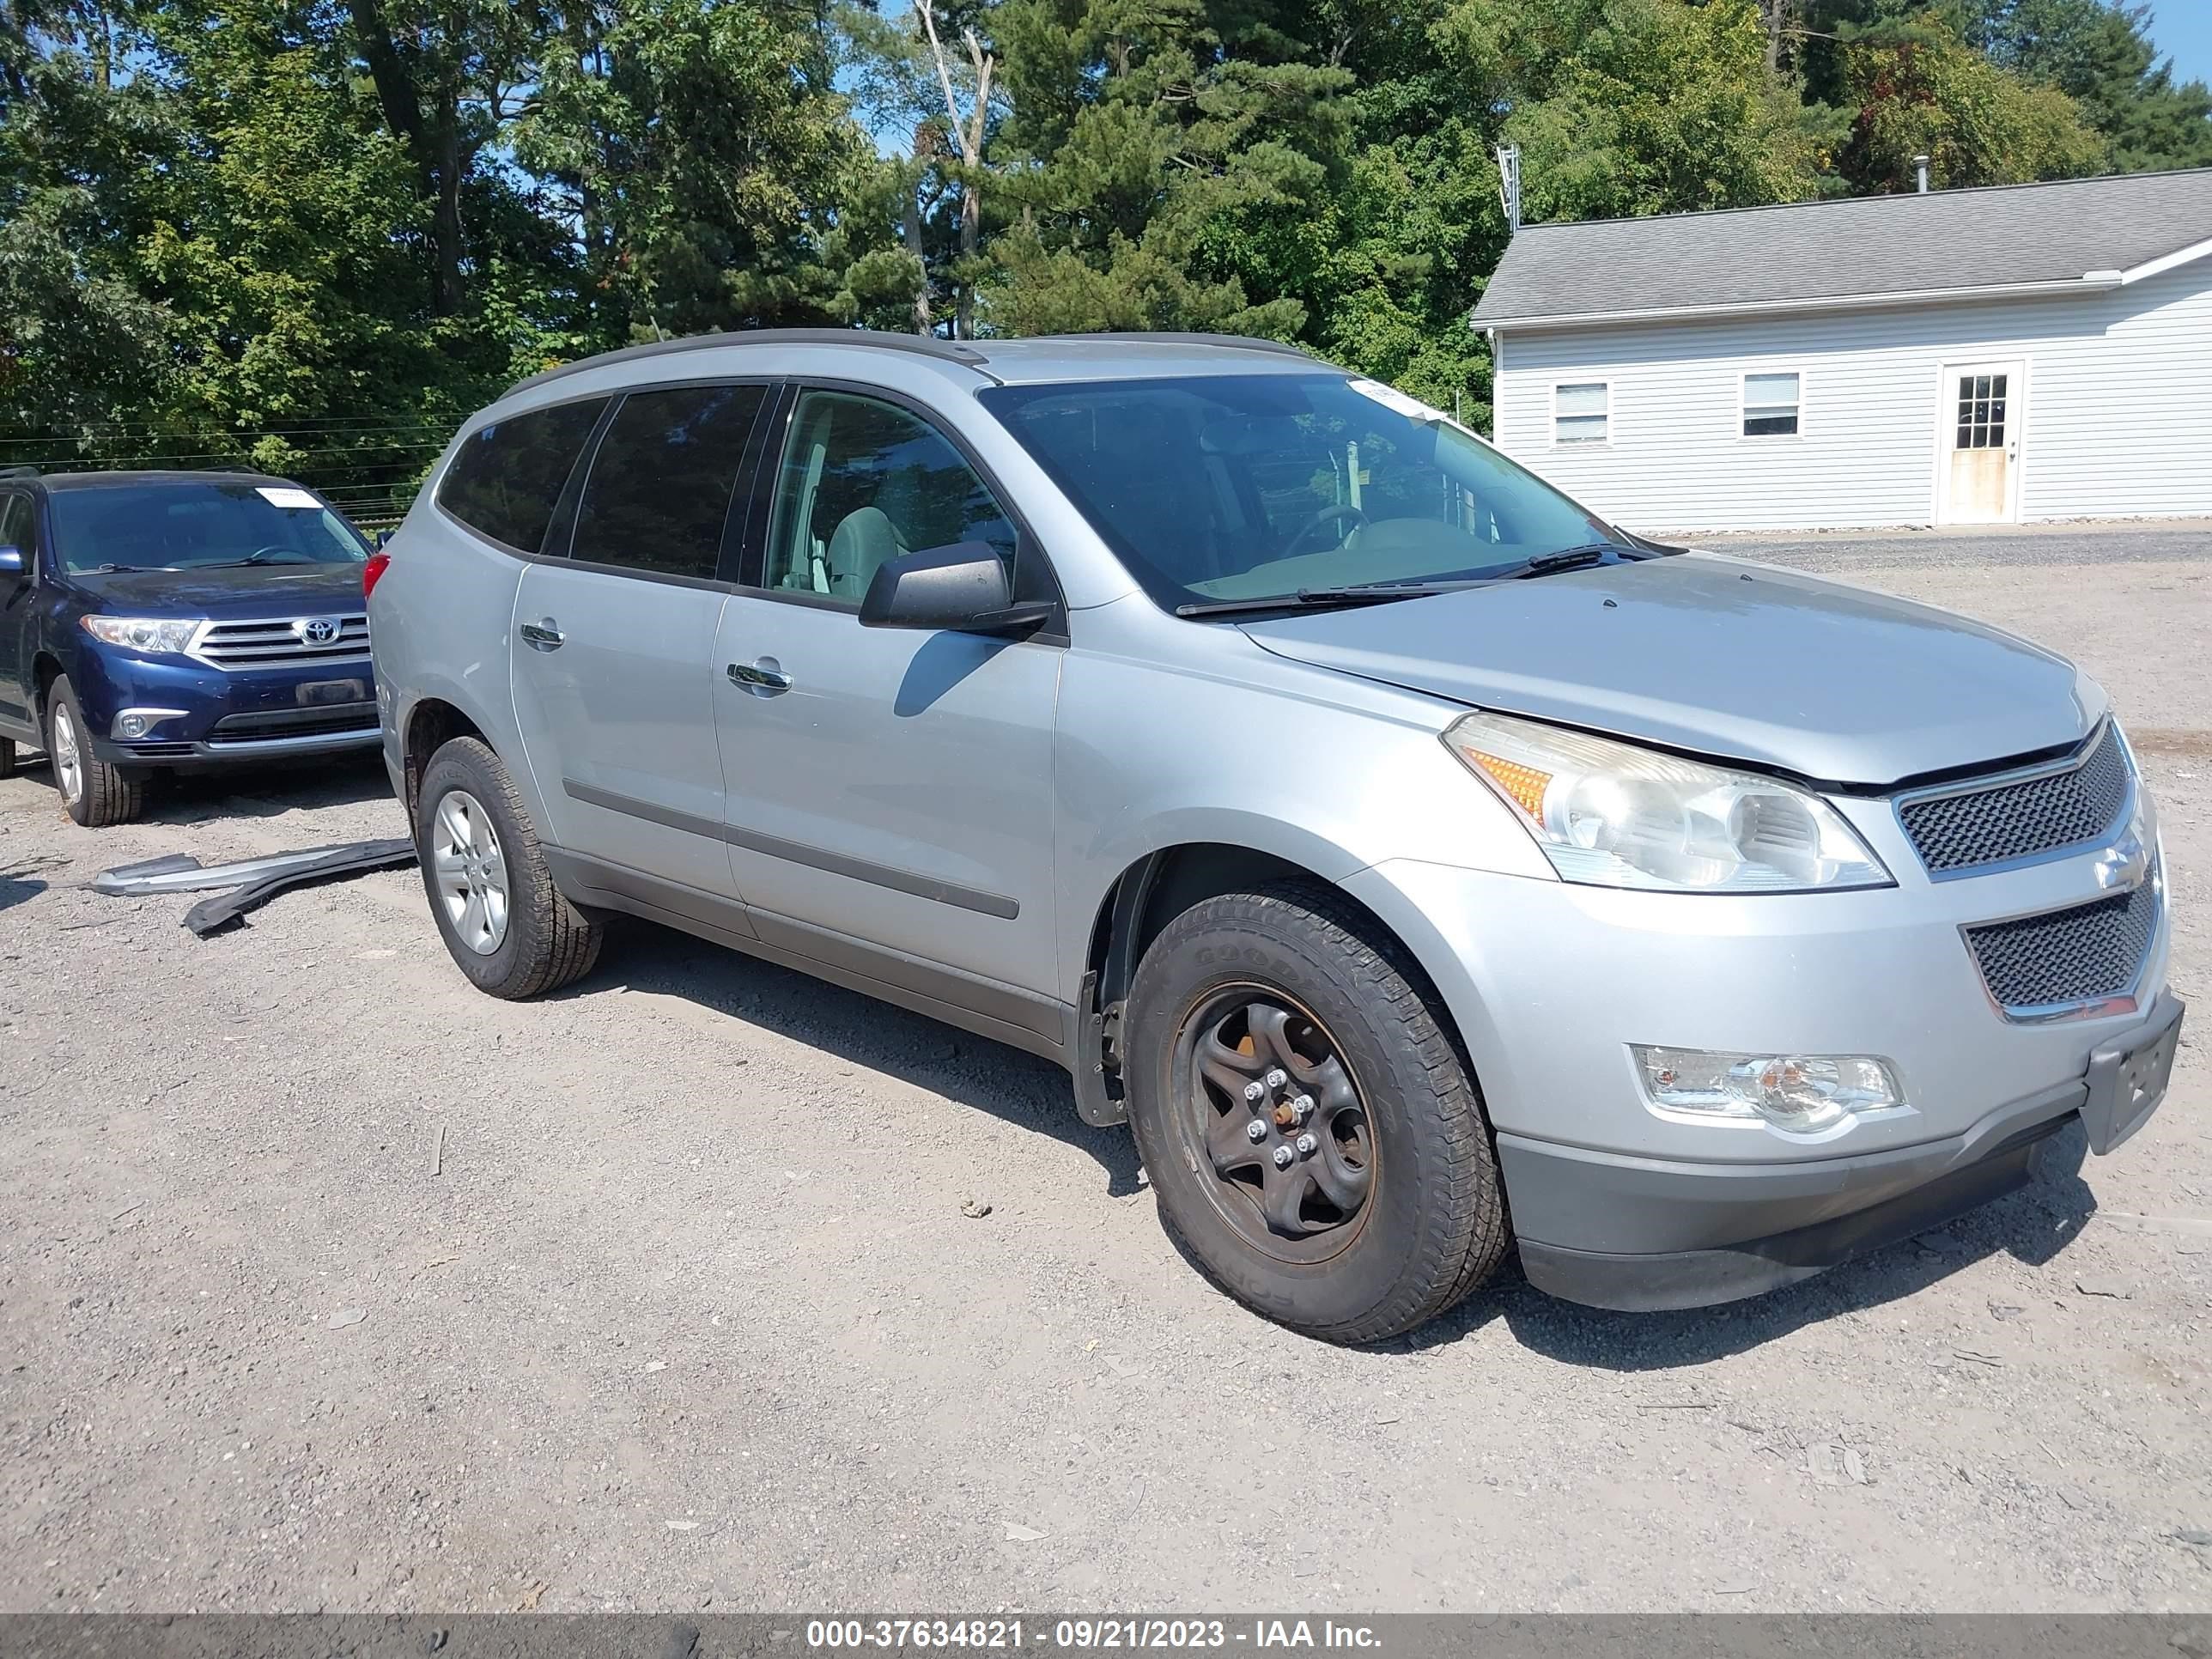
(1314, 1137)
(1272, 1110)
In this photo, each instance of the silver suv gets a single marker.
(1420, 864)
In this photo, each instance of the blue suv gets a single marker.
(153, 620)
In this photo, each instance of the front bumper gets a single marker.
(1638, 1233)
(212, 717)
(1617, 1203)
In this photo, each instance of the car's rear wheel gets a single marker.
(505, 924)
(1315, 1141)
(96, 793)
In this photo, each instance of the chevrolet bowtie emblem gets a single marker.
(2122, 866)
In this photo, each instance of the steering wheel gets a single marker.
(1334, 512)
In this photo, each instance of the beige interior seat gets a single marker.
(864, 541)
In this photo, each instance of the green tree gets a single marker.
(2100, 55)
(1163, 164)
(1921, 88)
(1624, 107)
(82, 347)
(702, 154)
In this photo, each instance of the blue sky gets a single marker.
(2183, 29)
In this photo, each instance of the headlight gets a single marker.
(1614, 815)
(1799, 1094)
(143, 633)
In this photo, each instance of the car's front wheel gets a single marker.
(96, 793)
(1316, 1142)
(505, 924)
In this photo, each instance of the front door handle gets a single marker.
(542, 636)
(760, 676)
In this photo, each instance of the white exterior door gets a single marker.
(1977, 413)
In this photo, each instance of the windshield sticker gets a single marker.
(280, 496)
(1398, 403)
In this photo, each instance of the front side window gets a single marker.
(661, 481)
(863, 481)
(188, 526)
(1770, 405)
(507, 477)
(1247, 486)
(1582, 413)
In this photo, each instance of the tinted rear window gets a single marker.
(662, 479)
(507, 477)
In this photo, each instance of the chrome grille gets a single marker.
(2041, 813)
(2084, 954)
(279, 641)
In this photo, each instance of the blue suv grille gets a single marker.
(283, 641)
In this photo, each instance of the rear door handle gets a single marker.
(758, 677)
(542, 636)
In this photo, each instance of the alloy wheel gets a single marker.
(1273, 1114)
(470, 869)
(69, 756)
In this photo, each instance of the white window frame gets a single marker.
(1558, 442)
(1743, 407)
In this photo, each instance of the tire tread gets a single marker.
(1451, 1259)
(557, 943)
(112, 795)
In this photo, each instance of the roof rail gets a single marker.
(1239, 341)
(18, 472)
(959, 351)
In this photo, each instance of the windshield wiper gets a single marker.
(1307, 599)
(1314, 598)
(1567, 558)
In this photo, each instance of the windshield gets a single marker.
(189, 526)
(1258, 486)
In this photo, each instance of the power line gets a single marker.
(124, 428)
(243, 452)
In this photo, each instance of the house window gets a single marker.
(1581, 414)
(1770, 405)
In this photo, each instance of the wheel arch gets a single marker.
(1156, 886)
(432, 722)
(47, 667)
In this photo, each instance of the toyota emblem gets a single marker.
(319, 631)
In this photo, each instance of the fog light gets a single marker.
(1799, 1094)
(131, 726)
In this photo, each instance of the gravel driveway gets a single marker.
(328, 1282)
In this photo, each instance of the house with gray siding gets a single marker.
(2033, 352)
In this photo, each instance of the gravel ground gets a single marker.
(327, 1283)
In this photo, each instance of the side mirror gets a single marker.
(11, 563)
(960, 586)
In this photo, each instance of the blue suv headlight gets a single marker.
(164, 636)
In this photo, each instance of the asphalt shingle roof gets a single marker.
(1862, 245)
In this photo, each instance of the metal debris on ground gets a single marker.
(247, 885)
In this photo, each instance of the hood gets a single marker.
(265, 589)
(1721, 658)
